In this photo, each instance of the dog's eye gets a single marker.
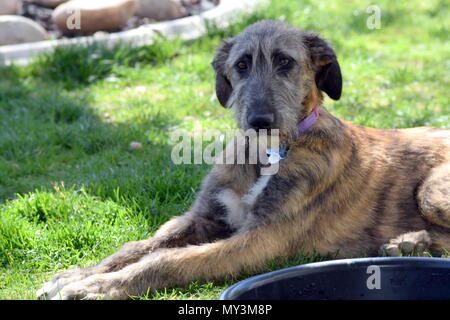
(284, 63)
(241, 66)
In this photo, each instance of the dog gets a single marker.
(341, 188)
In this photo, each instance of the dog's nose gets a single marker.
(261, 120)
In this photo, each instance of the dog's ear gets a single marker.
(328, 74)
(223, 85)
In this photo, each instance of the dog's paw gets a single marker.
(52, 287)
(412, 243)
(98, 286)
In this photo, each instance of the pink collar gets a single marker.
(308, 122)
(275, 156)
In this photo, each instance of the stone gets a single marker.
(49, 3)
(88, 16)
(135, 145)
(9, 6)
(18, 29)
(160, 9)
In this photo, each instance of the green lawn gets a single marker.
(71, 190)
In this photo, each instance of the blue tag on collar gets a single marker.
(274, 156)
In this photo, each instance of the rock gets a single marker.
(9, 6)
(18, 29)
(48, 3)
(206, 5)
(88, 16)
(135, 145)
(160, 9)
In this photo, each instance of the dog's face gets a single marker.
(271, 74)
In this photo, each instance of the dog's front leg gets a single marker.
(272, 229)
(202, 223)
(246, 251)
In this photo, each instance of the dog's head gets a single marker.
(272, 75)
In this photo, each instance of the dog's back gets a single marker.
(379, 192)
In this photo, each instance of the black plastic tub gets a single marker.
(350, 279)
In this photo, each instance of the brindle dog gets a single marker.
(342, 188)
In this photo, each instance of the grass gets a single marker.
(71, 190)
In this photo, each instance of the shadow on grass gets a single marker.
(82, 65)
(50, 135)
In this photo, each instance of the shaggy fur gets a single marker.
(342, 188)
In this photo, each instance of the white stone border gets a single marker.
(188, 28)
